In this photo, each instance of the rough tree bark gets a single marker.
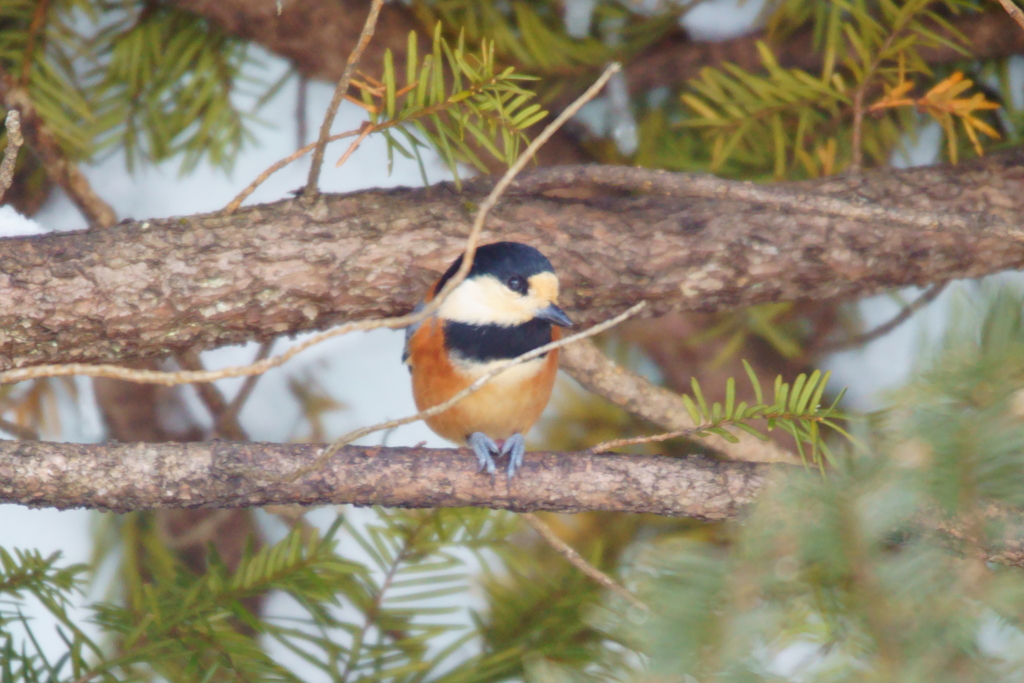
(147, 289)
(140, 476)
(223, 474)
(677, 59)
(317, 36)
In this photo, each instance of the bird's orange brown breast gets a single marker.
(509, 403)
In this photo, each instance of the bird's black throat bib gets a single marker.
(484, 343)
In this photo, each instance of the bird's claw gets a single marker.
(484, 447)
(515, 447)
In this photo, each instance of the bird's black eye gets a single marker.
(517, 284)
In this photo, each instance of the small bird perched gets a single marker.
(504, 308)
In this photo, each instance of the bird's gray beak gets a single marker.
(555, 315)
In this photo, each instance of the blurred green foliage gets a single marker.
(455, 101)
(873, 572)
(878, 571)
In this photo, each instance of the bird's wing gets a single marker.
(411, 330)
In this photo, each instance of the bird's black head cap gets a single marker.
(502, 260)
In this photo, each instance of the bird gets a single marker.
(506, 306)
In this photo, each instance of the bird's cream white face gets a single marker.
(485, 300)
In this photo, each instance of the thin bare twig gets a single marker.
(576, 560)
(14, 143)
(238, 402)
(857, 154)
(34, 31)
(905, 314)
(174, 378)
(339, 94)
(1014, 11)
(301, 106)
(365, 133)
(701, 430)
(202, 533)
(16, 430)
(274, 168)
(213, 399)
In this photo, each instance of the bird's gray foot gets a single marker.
(485, 450)
(515, 447)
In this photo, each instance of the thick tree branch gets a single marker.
(312, 183)
(140, 476)
(150, 288)
(677, 59)
(597, 373)
(317, 36)
(222, 474)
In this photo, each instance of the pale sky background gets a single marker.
(361, 370)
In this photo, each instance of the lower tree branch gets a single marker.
(140, 476)
(155, 415)
(222, 474)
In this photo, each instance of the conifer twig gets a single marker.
(238, 401)
(605, 446)
(14, 143)
(213, 399)
(1015, 12)
(885, 328)
(339, 94)
(61, 170)
(576, 560)
(856, 153)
